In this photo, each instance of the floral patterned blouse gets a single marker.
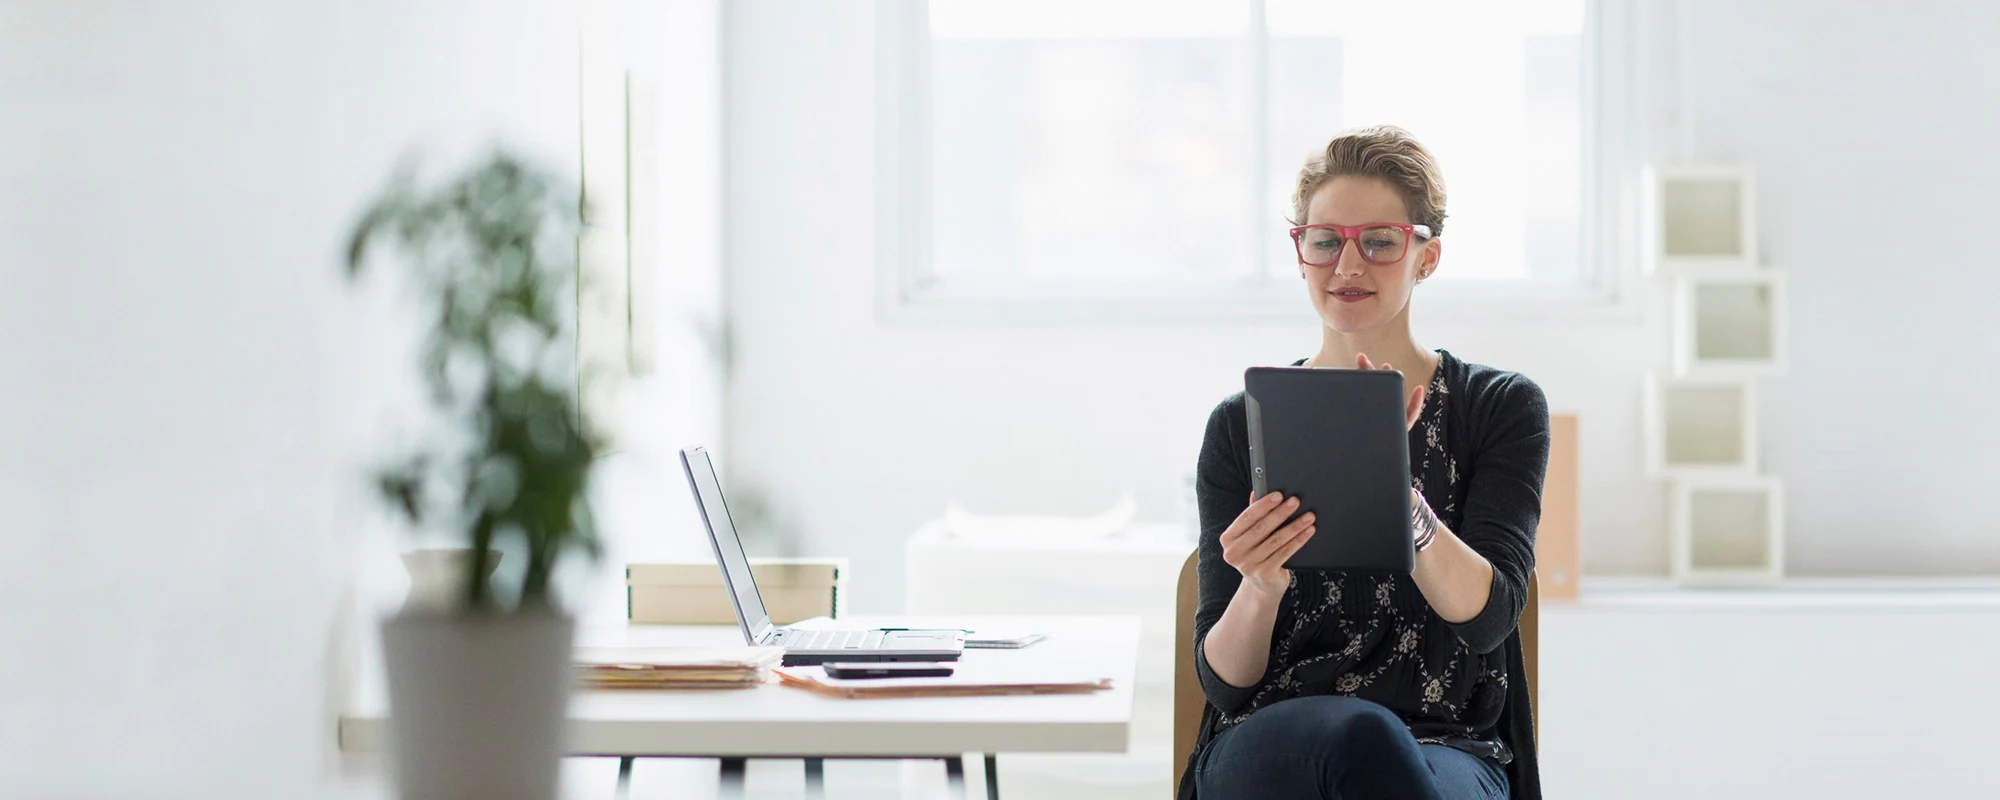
(1477, 454)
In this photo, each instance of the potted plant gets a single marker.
(479, 687)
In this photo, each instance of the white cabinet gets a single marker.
(1700, 426)
(1730, 323)
(1816, 688)
(1729, 329)
(1728, 529)
(1700, 217)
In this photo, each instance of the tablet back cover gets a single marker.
(1335, 438)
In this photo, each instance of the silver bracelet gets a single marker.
(1423, 524)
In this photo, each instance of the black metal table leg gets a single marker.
(954, 776)
(624, 777)
(733, 773)
(732, 777)
(815, 777)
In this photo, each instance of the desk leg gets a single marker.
(954, 776)
(624, 777)
(732, 778)
(815, 777)
(992, 777)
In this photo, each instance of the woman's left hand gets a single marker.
(1411, 409)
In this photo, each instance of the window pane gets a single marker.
(1307, 108)
(1089, 140)
(1111, 140)
(1493, 89)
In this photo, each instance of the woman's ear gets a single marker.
(1427, 263)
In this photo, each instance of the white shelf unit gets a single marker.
(1730, 322)
(1700, 426)
(1699, 217)
(1728, 530)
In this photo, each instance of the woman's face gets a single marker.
(1352, 294)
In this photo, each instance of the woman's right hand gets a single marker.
(1258, 547)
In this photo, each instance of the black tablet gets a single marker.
(1335, 439)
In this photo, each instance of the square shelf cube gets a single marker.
(1728, 531)
(1730, 323)
(1700, 426)
(1698, 217)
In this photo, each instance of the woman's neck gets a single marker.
(1395, 347)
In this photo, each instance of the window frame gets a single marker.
(907, 292)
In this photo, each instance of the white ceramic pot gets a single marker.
(477, 703)
(437, 576)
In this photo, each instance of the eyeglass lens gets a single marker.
(1321, 247)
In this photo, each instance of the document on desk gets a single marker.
(965, 683)
(675, 667)
(1002, 639)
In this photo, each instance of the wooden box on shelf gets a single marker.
(1730, 322)
(793, 589)
(1700, 426)
(1699, 217)
(1728, 530)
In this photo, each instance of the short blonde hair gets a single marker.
(1384, 152)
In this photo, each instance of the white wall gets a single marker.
(846, 432)
(849, 432)
(673, 49)
(1867, 122)
(188, 390)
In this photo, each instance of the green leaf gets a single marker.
(493, 251)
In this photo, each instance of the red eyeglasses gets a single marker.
(1379, 242)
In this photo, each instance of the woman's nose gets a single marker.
(1349, 263)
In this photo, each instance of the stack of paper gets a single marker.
(676, 667)
(967, 683)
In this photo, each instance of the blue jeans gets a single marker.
(1338, 748)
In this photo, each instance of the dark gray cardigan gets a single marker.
(1496, 428)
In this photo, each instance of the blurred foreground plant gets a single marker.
(494, 255)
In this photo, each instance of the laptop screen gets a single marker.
(728, 549)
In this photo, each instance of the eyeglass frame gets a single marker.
(1348, 234)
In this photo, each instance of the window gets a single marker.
(1112, 149)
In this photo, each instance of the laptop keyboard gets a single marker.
(831, 640)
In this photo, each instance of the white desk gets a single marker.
(778, 721)
(1132, 573)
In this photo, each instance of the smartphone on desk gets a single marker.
(892, 669)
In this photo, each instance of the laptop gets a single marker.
(802, 646)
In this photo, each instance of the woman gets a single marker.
(1354, 686)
